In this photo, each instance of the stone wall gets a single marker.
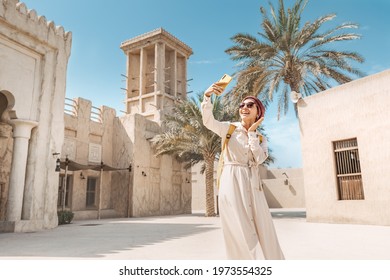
(358, 109)
(34, 51)
(155, 185)
(160, 185)
(122, 182)
(6, 143)
(89, 141)
(283, 188)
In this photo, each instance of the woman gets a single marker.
(247, 224)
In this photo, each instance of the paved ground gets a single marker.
(193, 237)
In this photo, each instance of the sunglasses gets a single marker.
(249, 105)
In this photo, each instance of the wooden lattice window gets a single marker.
(349, 176)
(91, 192)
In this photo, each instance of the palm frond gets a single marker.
(289, 55)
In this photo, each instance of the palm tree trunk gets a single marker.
(210, 209)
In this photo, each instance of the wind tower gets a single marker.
(156, 73)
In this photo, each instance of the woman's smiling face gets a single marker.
(248, 110)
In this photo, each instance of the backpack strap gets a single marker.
(232, 127)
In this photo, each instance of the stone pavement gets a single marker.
(193, 237)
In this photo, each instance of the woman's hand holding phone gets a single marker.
(224, 81)
(218, 87)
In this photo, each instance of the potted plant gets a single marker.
(65, 217)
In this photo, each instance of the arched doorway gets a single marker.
(7, 102)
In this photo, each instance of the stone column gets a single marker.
(184, 83)
(142, 66)
(174, 74)
(159, 74)
(21, 134)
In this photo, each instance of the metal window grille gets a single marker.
(349, 177)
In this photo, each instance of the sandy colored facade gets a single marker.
(35, 51)
(345, 134)
(153, 185)
(107, 162)
(156, 73)
(283, 187)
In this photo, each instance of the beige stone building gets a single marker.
(34, 51)
(156, 78)
(345, 134)
(88, 160)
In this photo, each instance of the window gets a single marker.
(349, 177)
(91, 192)
(61, 190)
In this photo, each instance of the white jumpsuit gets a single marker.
(247, 224)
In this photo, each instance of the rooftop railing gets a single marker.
(96, 114)
(70, 107)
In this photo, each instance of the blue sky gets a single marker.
(99, 27)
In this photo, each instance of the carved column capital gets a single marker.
(22, 128)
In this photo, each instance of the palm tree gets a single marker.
(187, 139)
(292, 58)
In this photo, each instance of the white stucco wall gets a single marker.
(35, 51)
(359, 109)
(18, 61)
(283, 188)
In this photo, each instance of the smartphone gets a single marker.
(224, 81)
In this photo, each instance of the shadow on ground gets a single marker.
(94, 239)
